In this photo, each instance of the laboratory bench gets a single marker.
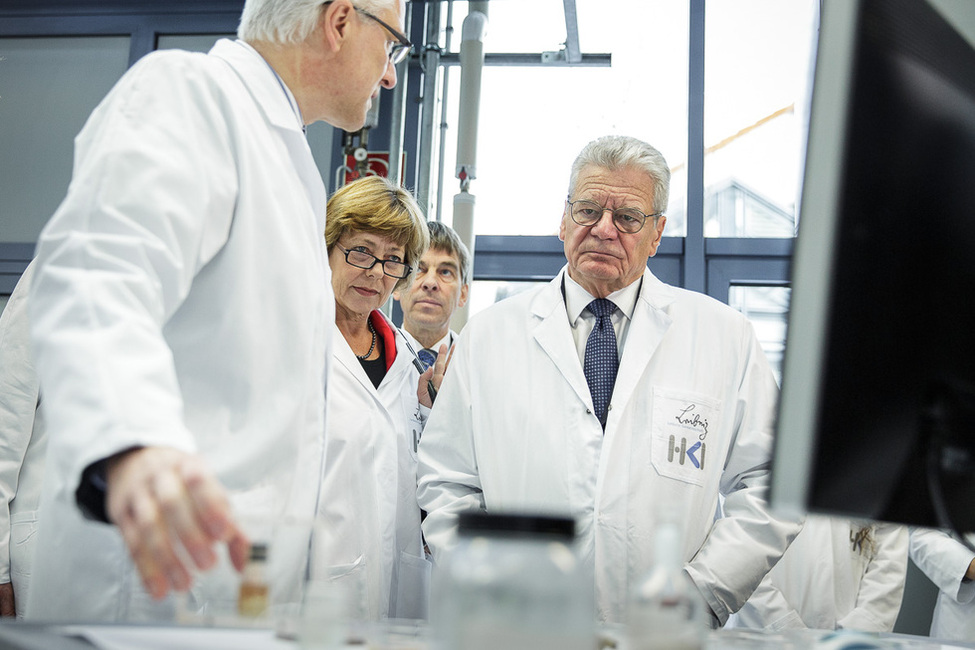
(402, 635)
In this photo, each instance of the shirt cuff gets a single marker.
(91, 492)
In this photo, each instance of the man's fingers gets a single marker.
(209, 500)
(177, 510)
(165, 502)
(239, 547)
(422, 390)
(443, 358)
(146, 535)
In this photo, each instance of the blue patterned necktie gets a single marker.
(601, 361)
(427, 357)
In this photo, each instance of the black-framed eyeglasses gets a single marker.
(395, 51)
(626, 220)
(364, 260)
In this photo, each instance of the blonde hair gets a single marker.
(375, 205)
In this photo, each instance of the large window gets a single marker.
(757, 68)
(719, 86)
(766, 308)
(535, 120)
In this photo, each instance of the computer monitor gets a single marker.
(877, 410)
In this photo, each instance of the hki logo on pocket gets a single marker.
(694, 453)
(684, 426)
(691, 417)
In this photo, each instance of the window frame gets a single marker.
(707, 265)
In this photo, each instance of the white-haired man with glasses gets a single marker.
(616, 399)
(182, 309)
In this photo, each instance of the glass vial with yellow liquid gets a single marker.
(252, 602)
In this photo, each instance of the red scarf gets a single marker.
(384, 331)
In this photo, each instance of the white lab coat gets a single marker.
(23, 443)
(183, 299)
(513, 429)
(945, 560)
(823, 583)
(372, 545)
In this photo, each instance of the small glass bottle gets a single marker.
(252, 601)
(666, 611)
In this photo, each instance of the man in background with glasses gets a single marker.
(182, 309)
(440, 287)
(613, 398)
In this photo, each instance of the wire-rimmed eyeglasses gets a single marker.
(626, 220)
(395, 51)
(364, 260)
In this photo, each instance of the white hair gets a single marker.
(289, 21)
(618, 151)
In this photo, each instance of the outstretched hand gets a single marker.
(434, 376)
(166, 501)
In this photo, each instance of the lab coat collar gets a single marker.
(647, 329)
(553, 334)
(274, 101)
(447, 340)
(401, 363)
(273, 96)
(577, 298)
(655, 293)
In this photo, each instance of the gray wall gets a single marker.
(48, 86)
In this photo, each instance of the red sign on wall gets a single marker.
(377, 164)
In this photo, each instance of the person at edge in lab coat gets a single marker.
(516, 427)
(181, 309)
(837, 574)
(372, 546)
(23, 442)
(950, 565)
(440, 287)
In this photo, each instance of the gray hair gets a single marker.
(445, 238)
(289, 21)
(618, 151)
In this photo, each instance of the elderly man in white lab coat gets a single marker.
(182, 309)
(532, 417)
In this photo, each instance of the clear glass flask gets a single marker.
(513, 582)
(666, 611)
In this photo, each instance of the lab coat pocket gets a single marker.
(23, 528)
(680, 425)
(349, 580)
(413, 587)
